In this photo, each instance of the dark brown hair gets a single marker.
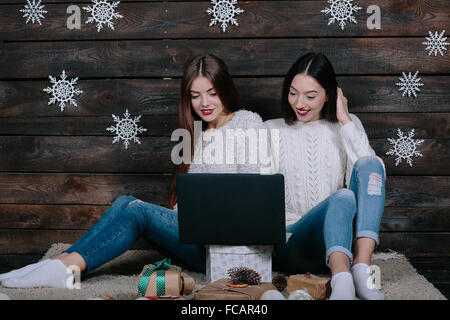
(320, 68)
(215, 70)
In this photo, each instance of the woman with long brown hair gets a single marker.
(208, 95)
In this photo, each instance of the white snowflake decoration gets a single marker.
(34, 11)
(126, 129)
(341, 10)
(409, 84)
(436, 43)
(102, 13)
(63, 91)
(404, 147)
(224, 12)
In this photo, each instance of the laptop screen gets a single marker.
(231, 209)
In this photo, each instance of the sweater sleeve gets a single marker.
(356, 145)
(257, 147)
(272, 165)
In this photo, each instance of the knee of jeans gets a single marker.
(346, 198)
(372, 162)
(123, 199)
(135, 208)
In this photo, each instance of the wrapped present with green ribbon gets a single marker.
(162, 279)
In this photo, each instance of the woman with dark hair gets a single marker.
(332, 176)
(208, 94)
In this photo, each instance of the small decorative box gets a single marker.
(220, 258)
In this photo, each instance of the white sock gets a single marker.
(365, 289)
(53, 274)
(342, 287)
(17, 273)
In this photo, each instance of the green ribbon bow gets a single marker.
(160, 267)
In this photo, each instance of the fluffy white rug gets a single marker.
(399, 279)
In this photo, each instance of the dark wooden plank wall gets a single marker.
(59, 171)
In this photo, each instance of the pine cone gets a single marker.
(280, 282)
(245, 275)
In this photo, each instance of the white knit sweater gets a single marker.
(316, 159)
(214, 152)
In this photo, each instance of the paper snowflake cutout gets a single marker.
(404, 147)
(409, 84)
(436, 43)
(33, 11)
(63, 91)
(126, 129)
(224, 12)
(341, 10)
(103, 12)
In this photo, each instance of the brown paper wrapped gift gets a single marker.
(218, 290)
(176, 283)
(319, 288)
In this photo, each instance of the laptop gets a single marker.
(231, 209)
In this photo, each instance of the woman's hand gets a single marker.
(342, 108)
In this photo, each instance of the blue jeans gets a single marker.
(325, 229)
(330, 226)
(126, 221)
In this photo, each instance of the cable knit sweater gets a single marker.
(316, 159)
(217, 163)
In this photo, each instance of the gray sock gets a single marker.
(365, 289)
(342, 287)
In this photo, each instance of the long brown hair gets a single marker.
(215, 70)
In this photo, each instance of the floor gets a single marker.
(435, 269)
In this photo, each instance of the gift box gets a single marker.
(223, 289)
(161, 298)
(317, 287)
(220, 258)
(164, 280)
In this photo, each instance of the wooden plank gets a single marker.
(81, 188)
(425, 125)
(16, 241)
(256, 57)
(156, 126)
(155, 97)
(376, 125)
(98, 155)
(413, 244)
(39, 188)
(434, 161)
(80, 217)
(396, 219)
(156, 20)
(439, 263)
(432, 191)
(89, 1)
(149, 97)
(85, 154)
(436, 270)
(69, 217)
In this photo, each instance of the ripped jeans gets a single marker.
(331, 225)
(326, 228)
